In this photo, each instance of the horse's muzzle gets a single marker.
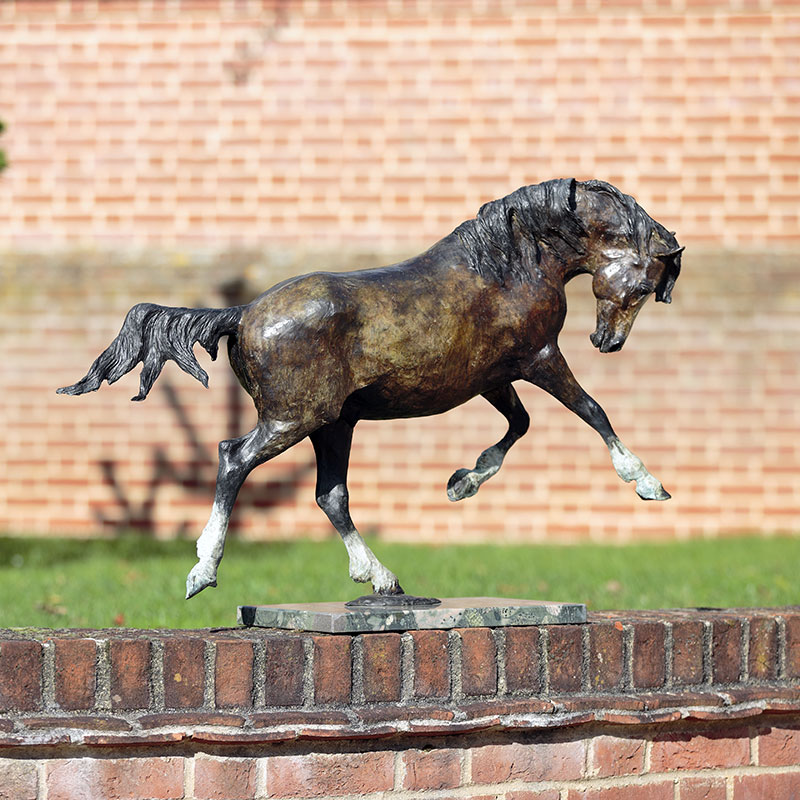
(606, 342)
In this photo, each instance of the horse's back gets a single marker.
(410, 339)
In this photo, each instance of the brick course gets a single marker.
(616, 740)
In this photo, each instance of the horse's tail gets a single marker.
(154, 334)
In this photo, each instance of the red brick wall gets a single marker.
(676, 705)
(704, 391)
(364, 121)
(159, 151)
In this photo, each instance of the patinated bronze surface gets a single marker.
(482, 308)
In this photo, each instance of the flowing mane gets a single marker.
(545, 212)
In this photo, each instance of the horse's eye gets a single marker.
(647, 287)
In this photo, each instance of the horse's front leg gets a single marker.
(550, 372)
(332, 448)
(466, 482)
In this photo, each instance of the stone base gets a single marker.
(454, 612)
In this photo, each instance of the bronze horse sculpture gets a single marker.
(479, 310)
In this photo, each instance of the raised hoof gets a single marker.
(463, 483)
(198, 579)
(652, 490)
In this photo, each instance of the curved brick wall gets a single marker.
(678, 704)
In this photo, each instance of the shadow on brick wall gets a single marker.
(198, 475)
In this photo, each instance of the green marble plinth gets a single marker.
(454, 612)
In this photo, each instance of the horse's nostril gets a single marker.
(615, 345)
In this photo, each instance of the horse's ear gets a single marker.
(672, 261)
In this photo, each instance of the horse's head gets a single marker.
(630, 256)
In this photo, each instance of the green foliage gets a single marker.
(139, 582)
(3, 162)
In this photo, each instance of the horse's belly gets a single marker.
(392, 399)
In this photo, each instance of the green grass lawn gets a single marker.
(135, 581)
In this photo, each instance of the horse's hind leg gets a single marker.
(465, 482)
(332, 448)
(237, 458)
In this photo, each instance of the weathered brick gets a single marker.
(75, 673)
(703, 789)
(565, 657)
(130, 673)
(762, 658)
(224, 778)
(649, 653)
(20, 676)
(19, 779)
(606, 666)
(687, 652)
(431, 769)
(616, 755)
(382, 664)
(184, 671)
(431, 664)
(333, 672)
(793, 646)
(537, 761)
(760, 787)
(682, 751)
(233, 674)
(779, 747)
(726, 652)
(284, 670)
(114, 778)
(663, 790)
(322, 775)
(478, 662)
(522, 660)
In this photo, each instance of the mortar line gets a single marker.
(499, 635)
(454, 653)
(755, 754)
(48, 676)
(102, 691)
(627, 656)
(466, 767)
(157, 674)
(209, 674)
(406, 666)
(544, 660)
(744, 666)
(780, 636)
(259, 670)
(708, 652)
(669, 655)
(308, 672)
(188, 775)
(585, 657)
(261, 777)
(41, 779)
(357, 676)
(399, 771)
